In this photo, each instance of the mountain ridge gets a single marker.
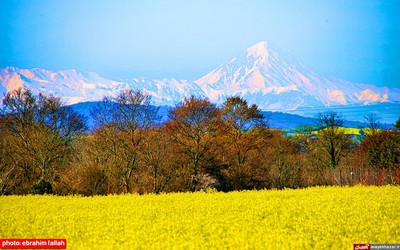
(261, 74)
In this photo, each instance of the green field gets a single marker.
(312, 218)
(350, 131)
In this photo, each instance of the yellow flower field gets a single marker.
(312, 218)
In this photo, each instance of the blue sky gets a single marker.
(355, 40)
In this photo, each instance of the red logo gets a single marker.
(33, 243)
(362, 247)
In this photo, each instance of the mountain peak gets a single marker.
(262, 74)
(259, 49)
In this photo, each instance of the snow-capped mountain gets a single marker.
(75, 87)
(262, 74)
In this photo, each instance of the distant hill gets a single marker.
(276, 120)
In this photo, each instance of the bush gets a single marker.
(42, 187)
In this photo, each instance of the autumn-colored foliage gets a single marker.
(46, 148)
(37, 136)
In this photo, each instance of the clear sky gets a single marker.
(355, 40)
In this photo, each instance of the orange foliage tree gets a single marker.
(243, 128)
(193, 125)
(381, 151)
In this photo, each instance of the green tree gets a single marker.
(397, 124)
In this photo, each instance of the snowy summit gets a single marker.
(261, 74)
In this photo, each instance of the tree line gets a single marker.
(46, 147)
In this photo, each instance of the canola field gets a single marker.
(312, 218)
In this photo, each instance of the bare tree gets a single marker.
(121, 121)
(42, 130)
(381, 152)
(240, 136)
(157, 153)
(373, 123)
(193, 124)
(331, 137)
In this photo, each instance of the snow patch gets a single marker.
(368, 95)
(74, 100)
(258, 50)
(336, 96)
(15, 83)
(88, 85)
(304, 79)
(27, 73)
(257, 80)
